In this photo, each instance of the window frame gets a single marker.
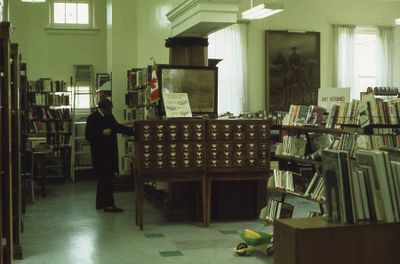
(91, 20)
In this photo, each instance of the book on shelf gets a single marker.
(314, 214)
(379, 175)
(47, 85)
(282, 180)
(336, 201)
(366, 188)
(352, 142)
(137, 77)
(318, 192)
(293, 146)
(276, 210)
(302, 115)
(315, 115)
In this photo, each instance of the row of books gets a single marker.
(126, 162)
(47, 85)
(276, 117)
(291, 146)
(347, 113)
(367, 188)
(276, 210)
(369, 111)
(138, 97)
(352, 142)
(58, 139)
(137, 78)
(129, 147)
(48, 99)
(316, 188)
(281, 180)
(378, 111)
(39, 126)
(300, 115)
(49, 114)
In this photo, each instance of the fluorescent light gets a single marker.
(397, 21)
(262, 11)
(33, 1)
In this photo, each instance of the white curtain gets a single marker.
(344, 75)
(385, 54)
(230, 45)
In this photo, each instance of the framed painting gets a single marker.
(292, 69)
(199, 82)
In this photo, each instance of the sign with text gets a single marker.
(330, 96)
(177, 105)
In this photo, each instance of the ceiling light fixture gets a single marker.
(262, 10)
(34, 1)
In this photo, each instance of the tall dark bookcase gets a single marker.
(16, 150)
(6, 248)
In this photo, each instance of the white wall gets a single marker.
(53, 55)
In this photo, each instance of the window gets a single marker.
(364, 57)
(77, 13)
(83, 97)
(365, 60)
(229, 44)
(1, 9)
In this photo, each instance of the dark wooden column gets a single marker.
(184, 200)
(187, 51)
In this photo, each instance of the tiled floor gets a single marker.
(64, 228)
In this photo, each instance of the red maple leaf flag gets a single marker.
(154, 91)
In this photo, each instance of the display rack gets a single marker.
(294, 163)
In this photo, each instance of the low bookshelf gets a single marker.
(315, 241)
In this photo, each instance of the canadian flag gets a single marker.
(154, 91)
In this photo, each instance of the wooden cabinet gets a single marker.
(182, 150)
(315, 241)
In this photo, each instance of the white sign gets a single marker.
(329, 96)
(177, 105)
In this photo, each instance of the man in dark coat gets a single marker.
(101, 132)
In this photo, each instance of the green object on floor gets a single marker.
(171, 253)
(264, 239)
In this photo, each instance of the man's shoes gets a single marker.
(113, 209)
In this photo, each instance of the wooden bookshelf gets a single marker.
(16, 150)
(266, 221)
(295, 165)
(301, 195)
(296, 159)
(6, 206)
(49, 105)
(314, 129)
